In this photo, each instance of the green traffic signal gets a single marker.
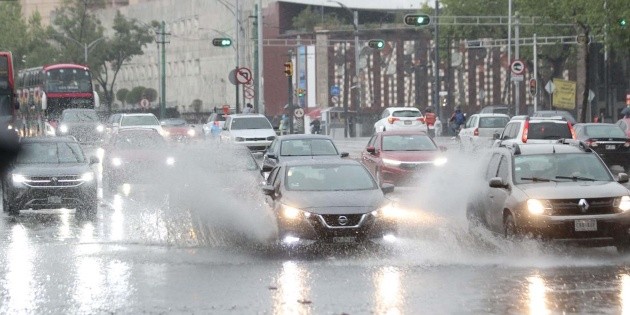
(417, 19)
(222, 42)
(376, 43)
(622, 22)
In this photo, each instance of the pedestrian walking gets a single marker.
(430, 118)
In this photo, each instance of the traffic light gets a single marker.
(376, 43)
(288, 68)
(417, 19)
(222, 42)
(300, 92)
(623, 22)
(533, 84)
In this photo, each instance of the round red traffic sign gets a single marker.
(144, 103)
(517, 67)
(243, 75)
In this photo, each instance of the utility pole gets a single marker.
(237, 30)
(357, 55)
(259, 76)
(436, 89)
(536, 72)
(517, 85)
(163, 42)
(509, 56)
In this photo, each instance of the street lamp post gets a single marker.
(86, 46)
(357, 55)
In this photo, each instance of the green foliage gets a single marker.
(135, 95)
(310, 18)
(196, 105)
(150, 94)
(121, 95)
(13, 36)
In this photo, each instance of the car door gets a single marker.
(487, 194)
(274, 149)
(370, 160)
(498, 196)
(469, 127)
(274, 180)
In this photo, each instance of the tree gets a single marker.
(135, 95)
(121, 95)
(40, 51)
(308, 19)
(196, 105)
(13, 36)
(150, 94)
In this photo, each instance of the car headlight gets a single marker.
(87, 177)
(389, 211)
(10, 127)
(63, 128)
(239, 139)
(116, 161)
(100, 128)
(535, 206)
(440, 161)
(391, 162)
(270, 138)
(18, 178)
(292, 213)
(623, 203)
(170, 161)
(191, 132)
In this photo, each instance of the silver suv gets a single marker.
(557, 191)
(524, 129)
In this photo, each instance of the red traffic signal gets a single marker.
(533, 87)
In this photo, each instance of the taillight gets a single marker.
(591, 142)
(476, 132)
(572, 131)
(421, 119)
(525, 131)
(391, 120)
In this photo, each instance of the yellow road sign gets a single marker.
(564, 94)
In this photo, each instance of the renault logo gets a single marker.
(583, 205)
(54, 179)
(343, 220)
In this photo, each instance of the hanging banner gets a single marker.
(564, 94)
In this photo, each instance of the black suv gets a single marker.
(83, 124)
(553, 191)
(50, 173)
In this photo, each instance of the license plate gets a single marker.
(407, 122)
(610, 147)
(585, 225)
(344, 239)
(54, 199)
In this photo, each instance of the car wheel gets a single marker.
(509, 227)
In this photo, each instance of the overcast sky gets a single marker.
(369, 4)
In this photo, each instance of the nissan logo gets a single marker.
(583, 205)
(343, 220)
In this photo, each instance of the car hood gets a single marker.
(410, 156)
(572, 190)
(139, 155)
(284, 158)
(335, 202)
(253, 133)
(50, 169)
(177, 129)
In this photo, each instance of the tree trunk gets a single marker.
(582, 87)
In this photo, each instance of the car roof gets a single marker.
(548, 148)
(307, 162)
(78, 110)
(138, 114)
(554, 119)
(492, 115)
(403, 108)
(403, 132)
(137, 129)
(48, 139)
(303, 136)
(595, 124)
(246, 115)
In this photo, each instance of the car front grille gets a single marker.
(255, 139)
(53, 181)
(336, 220)
(572, 206)
(414, 165)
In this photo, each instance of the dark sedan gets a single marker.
(136, 155)
(299, 147)
(334, 201)
(50, 173)
(83, 124)
(608, 140)
(400, 157)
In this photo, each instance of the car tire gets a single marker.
(509, 227)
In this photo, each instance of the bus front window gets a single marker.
(68, 80)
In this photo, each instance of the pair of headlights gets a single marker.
(388, 211)
(537, 206)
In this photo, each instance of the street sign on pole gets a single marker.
(517, 67)
(550, 87)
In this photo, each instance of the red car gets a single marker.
(177, 129)
(400, 157)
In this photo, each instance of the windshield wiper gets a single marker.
(538, 179)
(576, 178)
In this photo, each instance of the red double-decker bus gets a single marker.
(44, 92)
(8, 101)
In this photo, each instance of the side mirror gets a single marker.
(371, 149)
(272, 156)
(266, 168)
(622, 178)
(387, 188)
(268, 190)
(497, 182)
(95, 160)
(345, 154)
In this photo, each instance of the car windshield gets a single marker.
(307, 147)
(406, 113)
(139, 140)
(559, 167)
(173, 122)
(251, 123)
(79, 116)
(408, 143)
(604, 131)
(329, 177)
(143, 120)
(68, 80)
(50, 153)
(493, 122)
(549, 130)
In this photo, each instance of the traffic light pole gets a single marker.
(290, 101)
